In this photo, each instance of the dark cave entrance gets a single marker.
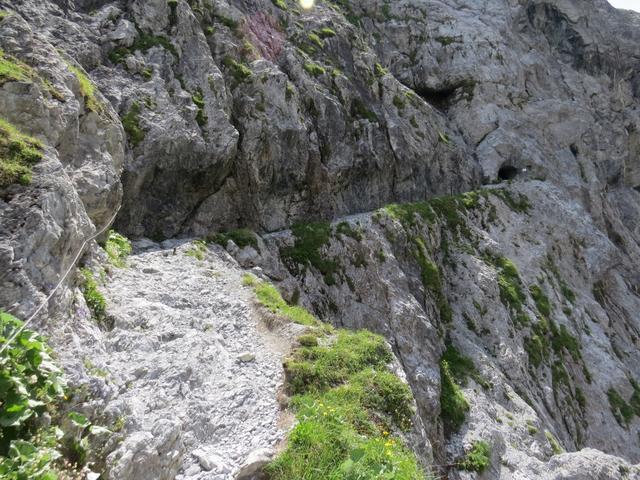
(508, 172)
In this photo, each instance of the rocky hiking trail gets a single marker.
(198, 373)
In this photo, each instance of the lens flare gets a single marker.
(307, 4)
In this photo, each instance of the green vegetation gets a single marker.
(509, 282)
(445, 40)
(453, 404)
(316, 40)
(622, 411)
(143, 42)
(379, 70)
(553, 442)
(519, 204)
(131, 124)
(314, 69)
(346, 402)
(198, 100)
(281, 4)
(18, 154)
(360, 110)
(310, 238)
(95, 301)
(399, 102)
(118, 248)
(239, 71)
(198, 250)
(226, 21)
(87, 89)
(462, 368)
(478, 458)
(542, 301)
(326, 32)
(345, 228)
(271, 299)
(432, 280)
(33, 445)
(241, 237)
(12, 69)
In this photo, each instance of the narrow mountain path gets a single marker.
(197, 372)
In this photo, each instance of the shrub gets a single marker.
(553, 442)
(478, 458)
(453, 404)
(18, 154)
(33, 387)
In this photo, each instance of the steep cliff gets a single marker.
(460, 177)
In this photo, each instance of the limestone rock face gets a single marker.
(75, 187)
(189, 118)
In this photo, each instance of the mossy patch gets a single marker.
(18, 154)
(310, 239)
(453, 405)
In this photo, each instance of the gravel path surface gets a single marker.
(199, 373)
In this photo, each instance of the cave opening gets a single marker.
(508, 172)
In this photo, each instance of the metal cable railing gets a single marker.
(62, 279)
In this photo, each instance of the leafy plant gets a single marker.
(118, 248)
(478, 458)
(31, 385)
(95, 300)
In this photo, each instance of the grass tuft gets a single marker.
(18, 154)
(88, 90)
(271, 299)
